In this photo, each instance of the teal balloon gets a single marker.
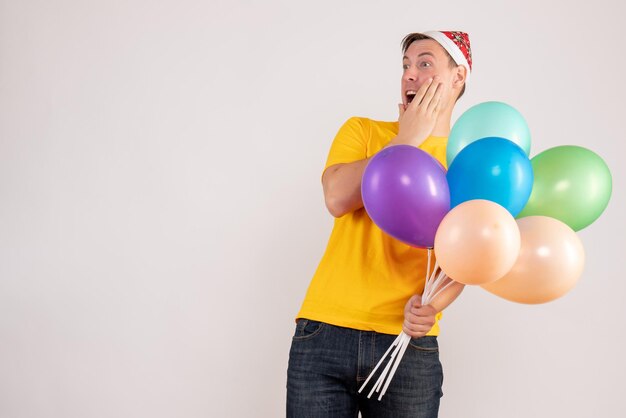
(572, 184)
(488, 119)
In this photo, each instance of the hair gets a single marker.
(412, 37)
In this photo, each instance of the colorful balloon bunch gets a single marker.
(467, 214)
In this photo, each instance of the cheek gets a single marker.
(423, 78)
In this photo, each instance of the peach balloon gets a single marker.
(477, 242)
(550, 263)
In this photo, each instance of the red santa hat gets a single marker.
(458, 46)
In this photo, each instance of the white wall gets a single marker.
(161, 211)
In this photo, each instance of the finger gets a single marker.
(407, 331)
(414, 328)
(436, 109)
(428, 96)
(415, 331)
(414, 299)
(401, 110)
(420, 94)
(415, 334)
(416, 316)
(433, 106)
(419, 327)
(416, 312)
(427, 310)
(411, 317)
(408, 328)
(428, 321)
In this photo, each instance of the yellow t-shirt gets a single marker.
(365, 276)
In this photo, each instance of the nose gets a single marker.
(410, 74)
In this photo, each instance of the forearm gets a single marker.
(342, 184)
(342, 187)
(448, 296)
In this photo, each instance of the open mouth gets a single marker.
(410, 95)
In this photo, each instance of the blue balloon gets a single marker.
(493, 169)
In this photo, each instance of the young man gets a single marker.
(367, 287)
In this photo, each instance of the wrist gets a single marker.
(403, 140)
(414, 139)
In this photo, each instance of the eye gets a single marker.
(405, 66)
(425, 64)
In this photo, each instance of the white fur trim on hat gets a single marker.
(452, 49)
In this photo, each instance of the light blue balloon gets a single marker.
(492, 169)
(488, 119)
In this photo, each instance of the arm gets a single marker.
(342, 182)
(418, 319)
(448, 296)
(342, 187)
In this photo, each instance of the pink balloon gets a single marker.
(477, 242)
(549, 265)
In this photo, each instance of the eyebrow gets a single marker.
(423, 53)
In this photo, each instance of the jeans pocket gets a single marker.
(427, 344)
(307, 329)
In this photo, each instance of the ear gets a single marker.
(460, 76)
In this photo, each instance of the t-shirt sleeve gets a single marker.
(350, 143)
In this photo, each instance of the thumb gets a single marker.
(401, 109)
(416, 301)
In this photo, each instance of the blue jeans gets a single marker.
(328, 364)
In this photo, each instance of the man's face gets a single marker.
(423, 60)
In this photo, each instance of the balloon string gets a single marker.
(440, 279)
(432, 275)
(399, 346)
(443, 288)
(427, 278)
(431, 287)
(427, 274)
(403, 346)
(397, 340)
(379, 383)
(429, 282)
(428, 265)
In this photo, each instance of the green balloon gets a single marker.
(572, 184)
